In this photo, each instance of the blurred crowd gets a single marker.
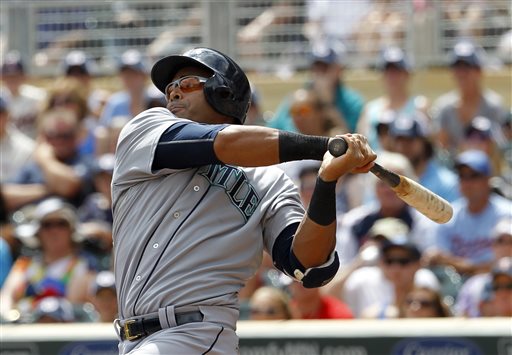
(57, 148)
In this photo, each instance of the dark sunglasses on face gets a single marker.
(61, 135)
(398, 261)
(59, 223)
(186, 84)
(498, 286)
(267, 312)
(422, 303)
(469, 176)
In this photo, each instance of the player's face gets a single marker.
(188, 101)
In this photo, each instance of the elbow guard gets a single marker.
(286, 261)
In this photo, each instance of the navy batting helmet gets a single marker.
(227, 91)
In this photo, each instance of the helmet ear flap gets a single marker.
(224, 92)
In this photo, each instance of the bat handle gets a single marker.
(337, 146)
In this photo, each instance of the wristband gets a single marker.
(295, 146)
(322, 208)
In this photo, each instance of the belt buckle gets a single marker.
(126, 331)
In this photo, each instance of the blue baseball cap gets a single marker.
(476, 160)
(394, 57)
(466, 52)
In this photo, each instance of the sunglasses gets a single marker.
(398, 261)
(186, 84)
(497, 287)
(267, 312)
(470, 176)
(60, 135)
(423, 303)
(59, 223)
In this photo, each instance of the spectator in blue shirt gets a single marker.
(465, 242)
(327, 81)
(410, 137)
(136, 96)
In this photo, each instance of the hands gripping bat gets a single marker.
(425, 201)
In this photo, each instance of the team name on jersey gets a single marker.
(236, 184)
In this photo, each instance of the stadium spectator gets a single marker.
(70, 94)
(423, 302)
(371, 290)
(411, 137)
(326, 70)
(96, 213)
(255, 114)
(497, 298)
(454, 111)
(269, 303)
(353, 226)
(58, 168)
(106, 137)
(104, 296)
(310, 303)
(53, 310)
(57, 269)
(464, 243)
(136, 96)
(478, 135)
(471, 293)
(25, 100)
(16, 148)
(396, 100)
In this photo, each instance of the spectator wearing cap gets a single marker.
(58, 168)
(473, 289)
(16, 148)
(326, 71)
(465, 242)
(396, 100)
(104, 296)
(56, 269)
(354, 225)
(53, 310)
(377, 291)
(96, 213)
(135, 97)
(24, 99)
(497, 296)
(454, 111)
(411, 137)
(77, 65)
(479, 134)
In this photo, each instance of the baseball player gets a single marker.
(195, 203)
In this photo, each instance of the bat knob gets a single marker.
(337, 146)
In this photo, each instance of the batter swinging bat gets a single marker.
(425, 201)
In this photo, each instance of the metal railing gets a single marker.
(262, 35)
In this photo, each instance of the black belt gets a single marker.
(137, 328)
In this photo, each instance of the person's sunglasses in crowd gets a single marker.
(68, 135)
(398, 261)
(418, 303)
(497, 286)
(54, 223)
(186, 84)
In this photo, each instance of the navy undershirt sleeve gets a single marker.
(187, 145)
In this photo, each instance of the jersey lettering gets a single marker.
(238, 188)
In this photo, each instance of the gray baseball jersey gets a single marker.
(190, 236)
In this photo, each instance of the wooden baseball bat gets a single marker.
(425, 201)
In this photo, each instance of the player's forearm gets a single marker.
(262, 146)
(315, 239)
(314, 243)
